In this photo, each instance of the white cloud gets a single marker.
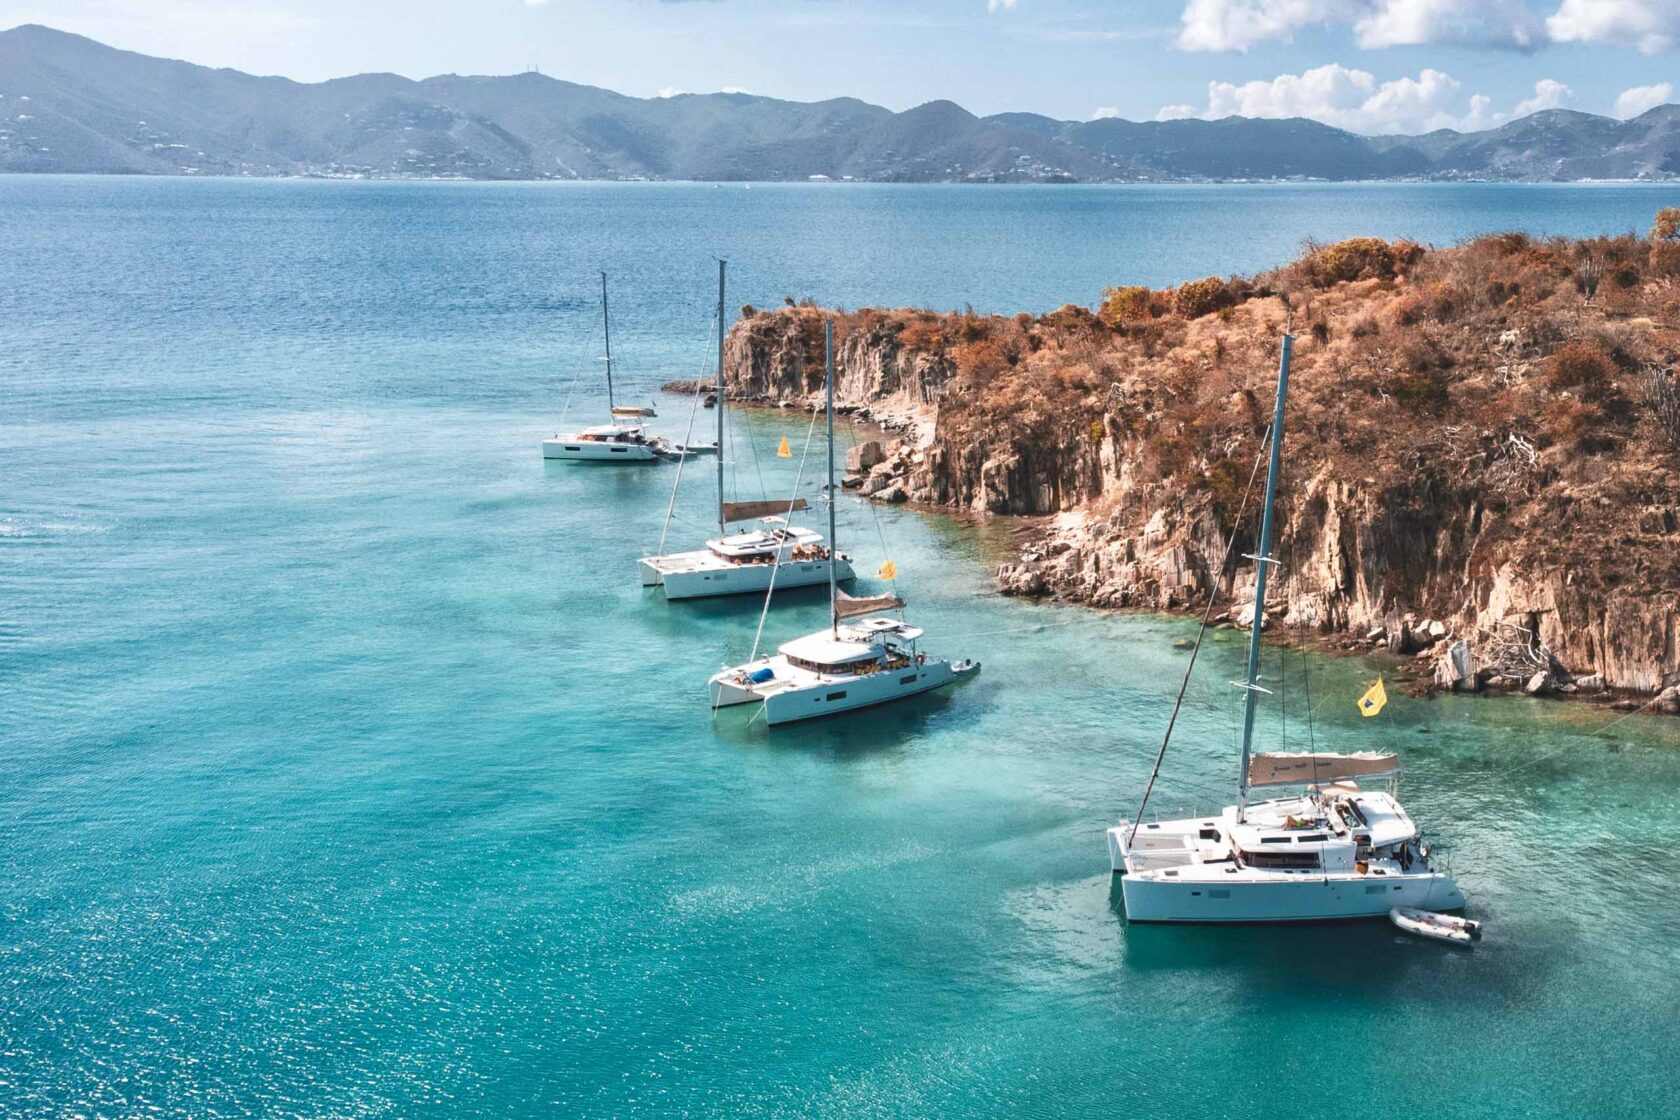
(734, 89)
(535, 3)
(1641, 99)
(1356, 100)
(999, 5)
(1549, 93)
(1346, 98)
(1405, 23)
(1237, 25)
(1651, 26)
(671, 91)
(1104, 113)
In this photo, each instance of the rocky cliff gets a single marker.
(1482, 446)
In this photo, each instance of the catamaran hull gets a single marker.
(1308, 900)
(864, 692)
(1303, 898)
(739, 579)
(598, 451)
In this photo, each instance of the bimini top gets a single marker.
(609, 430)
(1319, 769)
(824, 649)
(884, 626)
(631, 412)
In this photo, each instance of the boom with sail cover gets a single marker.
(1280, 769)
(851, 606)
(752, 511)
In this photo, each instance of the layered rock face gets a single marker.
(1476, 439)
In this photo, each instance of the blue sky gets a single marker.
(1369, 65)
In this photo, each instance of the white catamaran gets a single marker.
(1329, 849)
(772, 556)
(848, 665)
(624, 439)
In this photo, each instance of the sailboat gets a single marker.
(624, 438)
(848, 664)
(1327, 849)
(772, 556)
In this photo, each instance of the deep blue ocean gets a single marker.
(345, 770)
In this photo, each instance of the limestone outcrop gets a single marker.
(1480, 471)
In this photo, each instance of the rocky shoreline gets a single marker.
(1481, 450)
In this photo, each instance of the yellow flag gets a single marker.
(889, 570)
(784, 451)
(1372, 702)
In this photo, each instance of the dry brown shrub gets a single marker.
(1445, 300)
(1409, 311)
(1406, 254)
(1582, 366)
(980, 360)
(1665, 258)
(1127, 306)
(1071, 318)
(925, 334)
(1576, 423)
(1202, 297)
(1358, 258)
(1502, 244)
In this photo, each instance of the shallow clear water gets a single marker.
(345, 770)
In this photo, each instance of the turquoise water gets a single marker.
(346, 771)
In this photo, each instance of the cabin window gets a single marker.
(1314, 838)
(841, 695)
(1209, 834)
(1287, 861)
(618, 450)
(911, 679)
(1221, 893)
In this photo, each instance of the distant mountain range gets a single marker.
(69, 104)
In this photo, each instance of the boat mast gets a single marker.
(1262, 560)
(606, 331)
(828, 381)
(723, 525)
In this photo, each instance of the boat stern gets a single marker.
(1117, 847)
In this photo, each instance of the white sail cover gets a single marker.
(1319, 769)
(752, 511)
(632, 412)
(850, 606)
